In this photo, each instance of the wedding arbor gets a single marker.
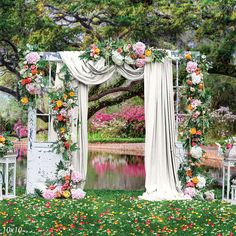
(92, 68)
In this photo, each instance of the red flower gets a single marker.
(193, 144)
(67, 145)
(32, 67)
(228, 145)
(56, 108)
(60, 117)
(119, 50)
(28, 80)
(199, 132)
(189, 82)
(34, 72)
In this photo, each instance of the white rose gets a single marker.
(196, 152)
(209, 195)
(201, 182)
(117, 58)
(129, 60)
(196, 79)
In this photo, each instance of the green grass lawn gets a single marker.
(120, 213)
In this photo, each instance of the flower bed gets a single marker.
(116, 213)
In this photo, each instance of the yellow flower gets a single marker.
(188, 56)
(193, 131)
(66, 194)
(2, 139)
(148, 53)
(62, 130)
(97, 50)
(59, 103)
(65, 96)
(25, 100)
(72, 94)
(190, 107)
(195, 180)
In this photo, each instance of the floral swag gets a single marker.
(33, 85)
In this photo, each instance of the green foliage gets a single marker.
(105, 212)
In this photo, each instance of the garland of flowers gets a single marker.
(34, 84)
(191, 174)
(118, 52)
(33, 79)
(5, 145)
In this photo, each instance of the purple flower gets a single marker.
(32, 58)
(49, 194)
(191, 67)
(76, 177)
(140, 63)
(77, 193)
(139, 48)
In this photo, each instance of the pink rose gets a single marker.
(228, 146)
(140, 63)
(76, 177)
(32, 89)
(190, 184)
(49, 194)
(139, 48)
(77, 193)
(32, 58)
(191, 67)
(190, 191)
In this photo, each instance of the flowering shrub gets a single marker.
(127, 123)
(20, 129)
(136, 55)
(5, 145)
(225, 122)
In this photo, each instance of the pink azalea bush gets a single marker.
(129, 122)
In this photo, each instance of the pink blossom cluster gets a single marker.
(20, 129)
(32, 58)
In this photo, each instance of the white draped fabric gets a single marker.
(160, 162)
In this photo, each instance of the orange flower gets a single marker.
(188, 56)
(195, 180)
(59, 103)
(201, 86)
(97, 50)
(24, 100)
(148, 53)
(65, 96)
(190, 107)
(67, 177)
(193, 131)
(189, 82)
(189, 173)
(2, 139)
(72, 94)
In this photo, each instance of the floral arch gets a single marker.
(97, 64)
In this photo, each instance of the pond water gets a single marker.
(105, 171)
(111, 171)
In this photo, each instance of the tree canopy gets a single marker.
(53, 25)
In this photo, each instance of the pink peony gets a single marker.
(77, 193)
(32, 58)
(191, 67)
(49, 194)
(32, 89)
(190, 184)
(140, 63)
(139, 48)
(76, 177)
(190, 191)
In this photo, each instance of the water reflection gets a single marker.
(113, 171)
(105, 171)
